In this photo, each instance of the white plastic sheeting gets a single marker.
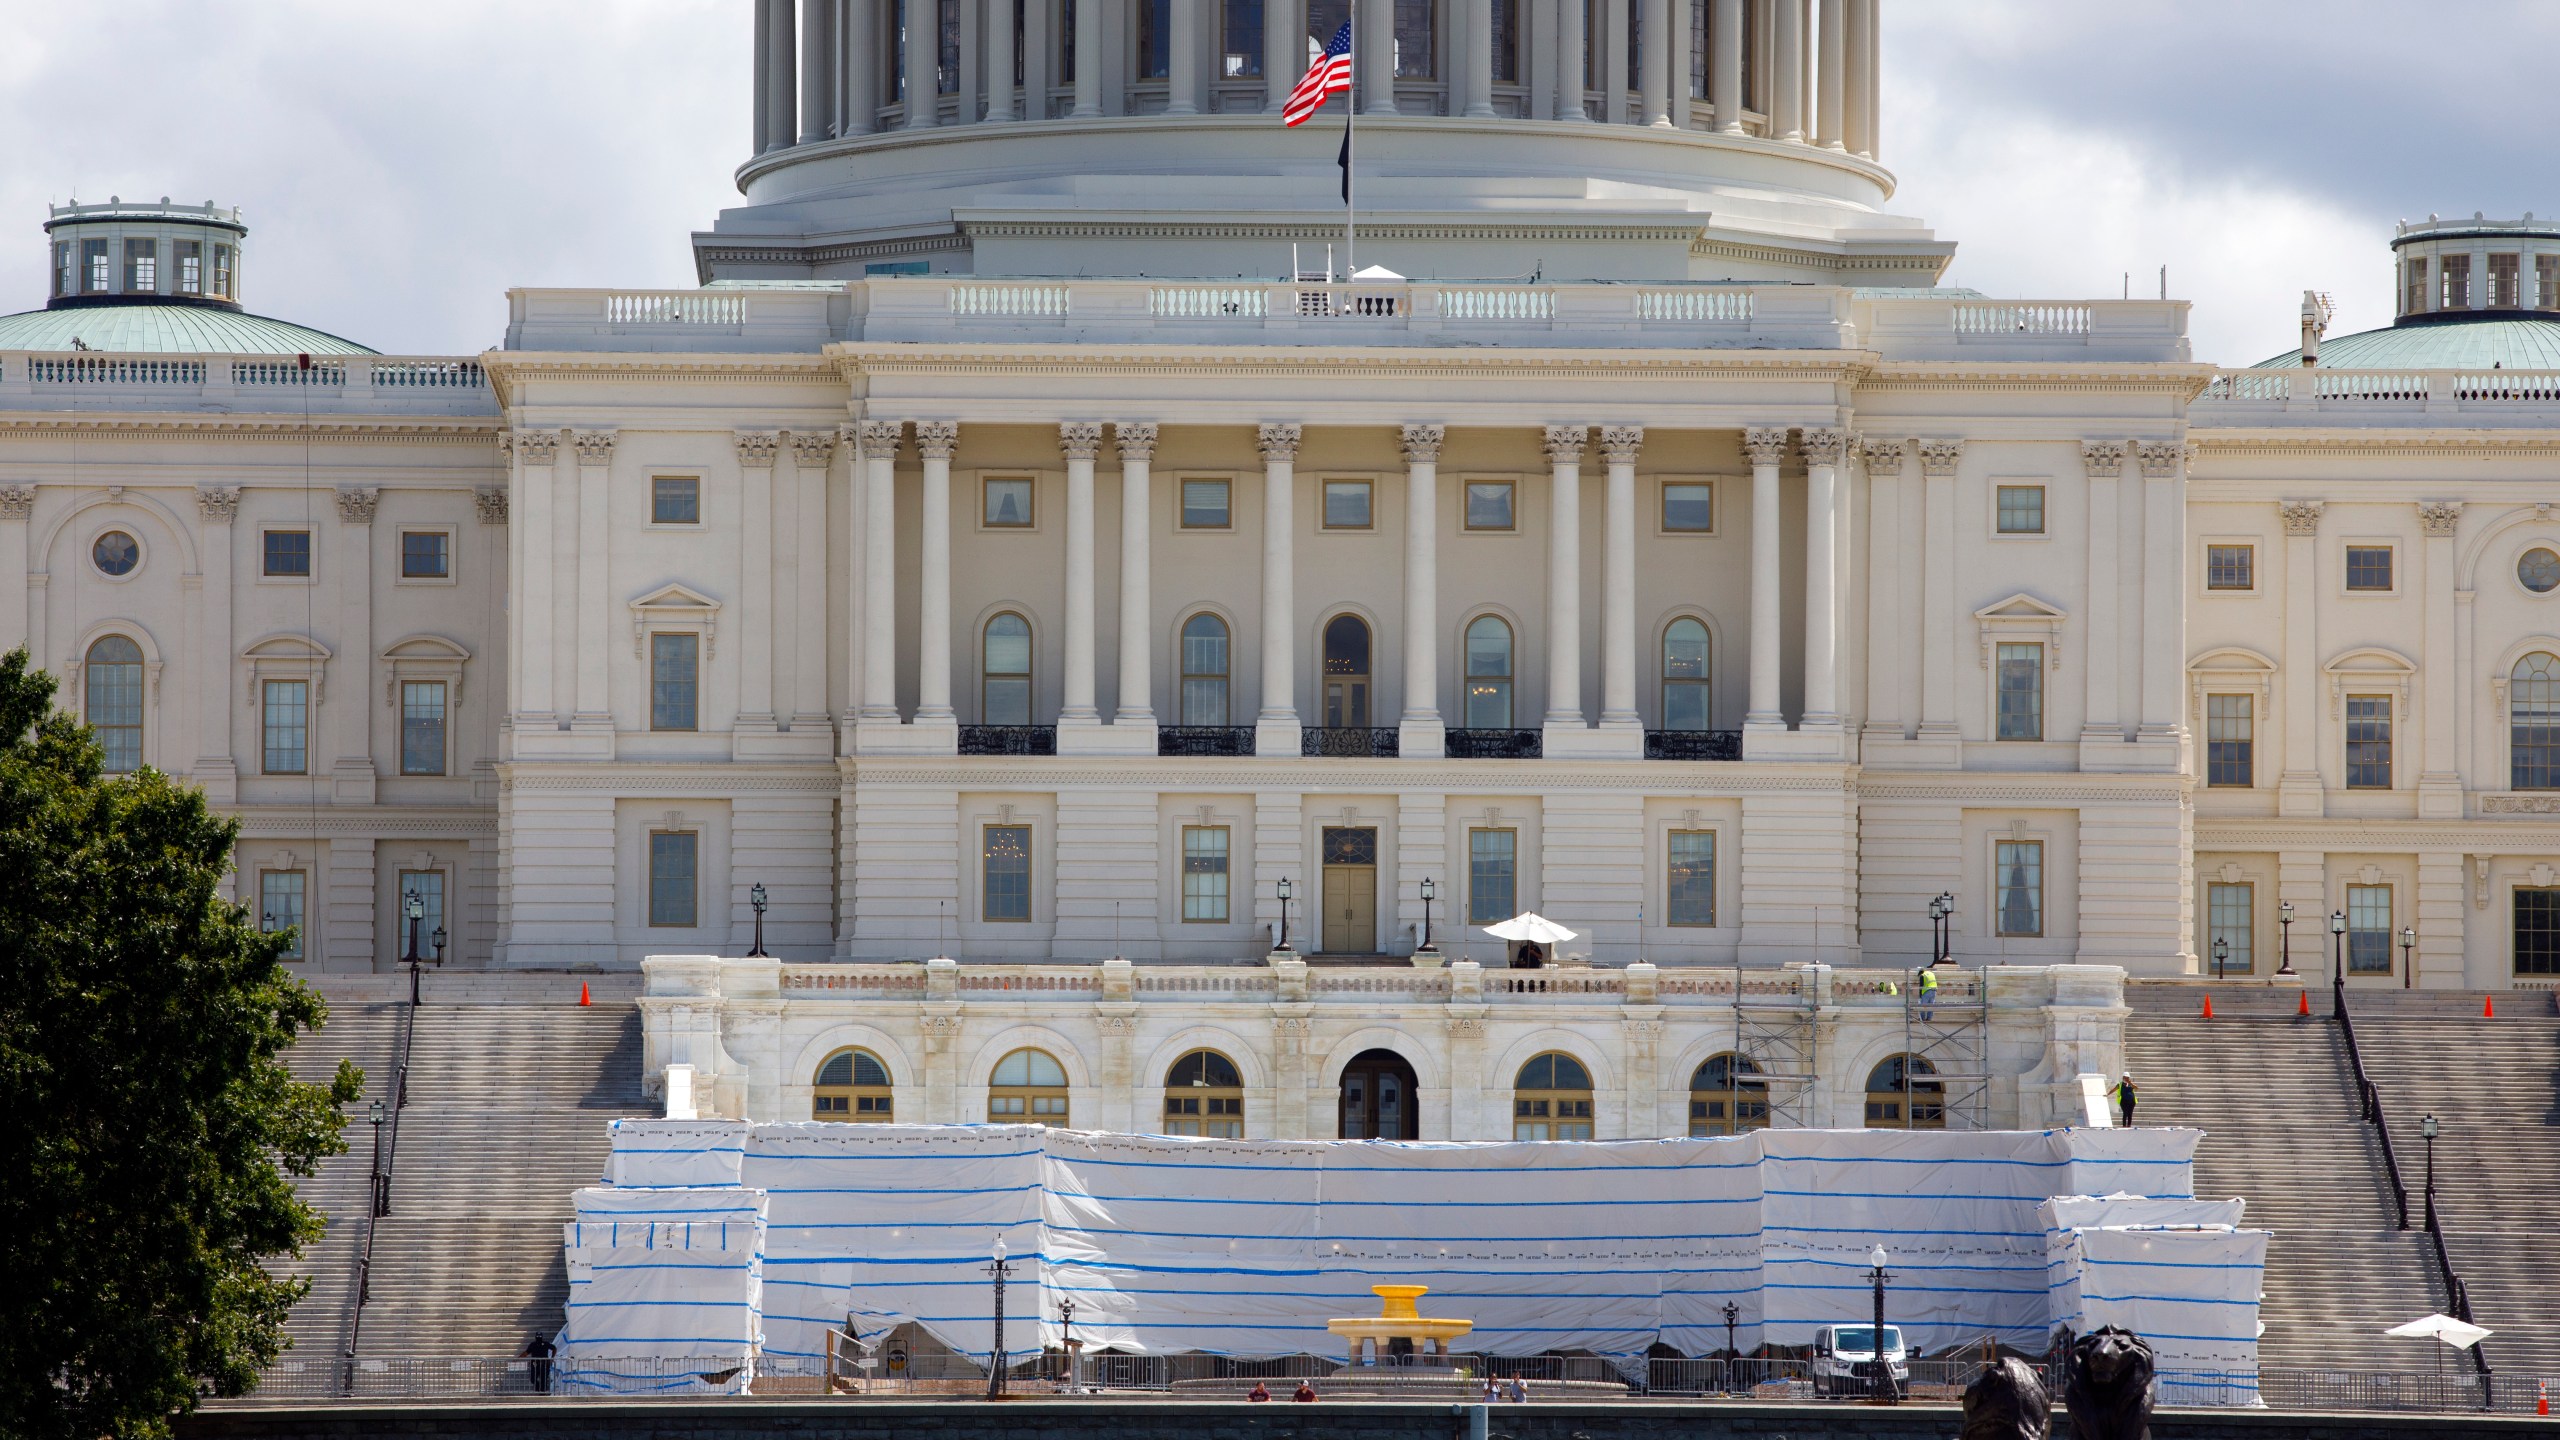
(648, 1289)
(1247, 1247)
(2182, 1275)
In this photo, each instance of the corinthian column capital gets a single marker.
(1136, 438)
(1080, 439)
(1825, 444)
(1765, 444)
(1278, 441)
(1619, 443)
(1564, 443)
(1422, 443)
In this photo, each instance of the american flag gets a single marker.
(1330, 75)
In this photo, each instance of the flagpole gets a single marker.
(1350, 157)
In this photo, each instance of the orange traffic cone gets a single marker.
(2542, 1397)
(2304, 1008)
(2488, 1007)
(2208, 1007)
(582, 992)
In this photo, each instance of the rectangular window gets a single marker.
(674, 863)
(675, 500)
(422, 727)
(1155, 39)
(2546, 282)
(1489, 505)
(94, 259)
(1416, 53)
(288, 726)
(2368, 929)
(2230, 740)
(2020, 668)
(2231, 567)
(1204, 874)
(2018, 877)
(66, 269)
(1008, 504)
(675, 682)
(425, 555)
(2537, 931)
(2230, 917)
(2021, 509)
(2504, 272)
(1688, 507)
(428, 886)
(223, 277)
(287, 554)
(1241, 32)
(141, 266)
(1005, 873)
(1493, 875)
(2368, 742)
(2456, 291)
(190, 257)
(1691, 897)
(947, 53)
(2413, 297)
(1506, 41)
(1346, 505)
(280, 894)
(1205, 505)
(2369, 567)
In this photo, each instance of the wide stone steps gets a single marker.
(341, 1188)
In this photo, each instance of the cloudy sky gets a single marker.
(404, 164)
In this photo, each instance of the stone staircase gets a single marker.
(2277, 1102)
(2494, 1087)
(368, 1034)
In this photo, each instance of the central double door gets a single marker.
(1350, 891)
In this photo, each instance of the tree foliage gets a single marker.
(147, 1125)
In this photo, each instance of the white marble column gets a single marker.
(1619, 444)
(1080, 439)
(1564, 576)
(217, 506)
(817, 69)
(756, 620)
(2102, 731)
(1724, 65)
(781, 49)
(1654, 38)
(1376, 55)
(998, 30)
(1875, 82)
(1830, 108)
(1136, 700)
(880, 571)
(594, 715)
(1938, 461)
(1786, 101)
(1421, 734)
(1283, 53)
(1889, 531)
(1857, 94)
(860, 44)
(1276, 727)
(1088, 78)
(352, 777)
(535, 605)
(1479, 47)
(2298, 788)
(2439, 778)
(1823, 449)
(812, 454)
(1767, 446)
(760, 68)
(1182, 57)
(2164, 589)
(935, 440)
(1039, 57)
(1572, 62)
(922, 65)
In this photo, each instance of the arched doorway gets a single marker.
(1378, 1099)
(1346, 673)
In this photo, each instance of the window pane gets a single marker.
(1692, 899)
(2368, 567)
(1416, 55)
(2230, 739)
(1242, 39)
(2021, 509)
(674, 682)
(1008, 503)
(113, 702)
(2537, 932)
(1689, 508)
(675, 500)
(287, 726)
(2021, 672)
(1204, 505)
(2533, 737)
(2228, 919)
(2230, 567)
(423, 555)
(1488, 698)
(428, 886)
(2019, 874)
(1492, 875)
(422, 728)
(288, 552)
(1007, 872)
(672, 859)
(2368, 742)
(1489, 505)
(2368, 929)
(280, 895)
(1346, 504)
(1204, 873)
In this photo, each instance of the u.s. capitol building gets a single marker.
(1028, 548)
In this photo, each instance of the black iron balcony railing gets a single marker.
(1204, 740)
(1349, 741)
(1008, 739)
(1494, 744)
(1693, 744)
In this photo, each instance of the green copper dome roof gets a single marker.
(2514, 343)
(167, 330)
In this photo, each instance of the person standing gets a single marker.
(539, 1371)
(1928, 992)
(2125, 1096)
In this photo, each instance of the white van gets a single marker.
(1844, 1359)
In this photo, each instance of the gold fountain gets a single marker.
(1398, 1320)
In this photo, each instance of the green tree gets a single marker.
(147, 1126)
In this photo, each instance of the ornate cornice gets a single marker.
(1422, 443)
(1765, 444)
(1619, 443)
(356, 503)
(1136, 440)
(812, 449)
(595, 447)
(2102, 459)
(1278, 442)
(491, 502)
(1080, 439)
(1939, 457)
(474, 431)
(936, 439)
(2301, 517)
(1564, 443)
(1824, 444)
(2439, 518)
(757, 448)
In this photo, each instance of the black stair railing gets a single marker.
(378, 1197)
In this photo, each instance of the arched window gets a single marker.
(1726, 1098)
(1346, 673)
(1203, 1095)
(852, 1085)
(1900, 1098)
(1204, 671)
(113, 678)
(1005, 672)
(1488, 704)
(1684, 675)
(1551, 1100)
(1028, 1088)
(2533, 721)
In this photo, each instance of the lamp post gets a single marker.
(1732, 1347)
(1937, 928)
(1067, 1337)
(2408, 942)
(414, 907)
(995, 1357)
(1429, 890)
(381, 1191)
(2221, 955)
(437, 940)
(2338, 951)
(755, 902)
(2284, 925)
(1885, 1394)
(1283, 947)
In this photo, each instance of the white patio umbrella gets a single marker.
(1531, 926)
(2460, 1334)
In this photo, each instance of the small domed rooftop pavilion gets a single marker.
(161, 279)
(2476, 294)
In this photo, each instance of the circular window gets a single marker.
(116, 553)
(2539, 569)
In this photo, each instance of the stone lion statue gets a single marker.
(2108, 1389)
(2007, 1402)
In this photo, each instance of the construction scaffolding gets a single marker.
(1773, 1024)
(1946, 1035)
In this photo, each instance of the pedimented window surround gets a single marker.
(2369, 671)
(2021, 617)
(286, 657)
(674, 607)
(423, 657)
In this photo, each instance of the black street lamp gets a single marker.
(437, 940)
(2284, 922)
(2427, 1127)
(2221, 955)
(2338, 951)
(755, 901)
(995, 1358)
(2408, 942)
(1942, 911)
(1732, 1347)
(414, 906)
(1428, 891)
(1885, 1393)
(1283, 947)
(1067, 1337)
(381, 1191)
